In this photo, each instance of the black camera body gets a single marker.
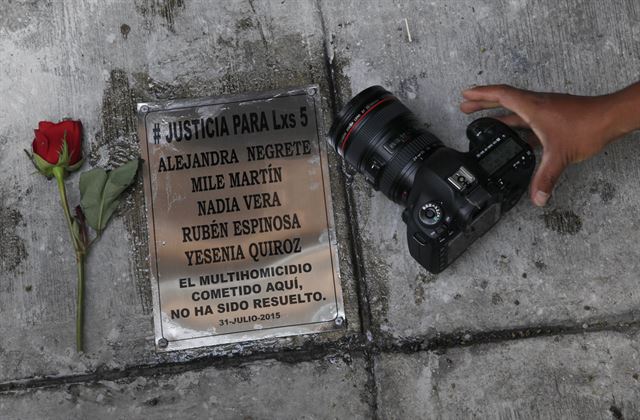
(457, 197)
(451, 198)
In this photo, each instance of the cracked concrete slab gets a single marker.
(93, 61)
(573, 263)
(569, 267)
(592, 375)
(293, 391)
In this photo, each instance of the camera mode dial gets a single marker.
(430, 214)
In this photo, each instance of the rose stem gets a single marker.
(58, 172)
(79, 303)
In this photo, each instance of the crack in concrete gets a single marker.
(346, 347)
(355, 248)
(625, 323)
(307, 352)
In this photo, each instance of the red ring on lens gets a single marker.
(344, 141)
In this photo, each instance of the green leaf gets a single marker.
(100, 192)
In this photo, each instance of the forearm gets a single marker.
(624, 111)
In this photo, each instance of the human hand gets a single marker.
(569, 128)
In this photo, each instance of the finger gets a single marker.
(545, 178)
(507, 96)
(513, 120)
(487, 93)
(472, 106)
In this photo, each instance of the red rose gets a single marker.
(49, 140)
(56, 152)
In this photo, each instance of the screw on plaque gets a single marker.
(163, 342)
(339, 321)
(144, 108)
(312, 91)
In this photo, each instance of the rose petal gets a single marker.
(78, 150)
(49, 137)
(56, 134)
(43, 125)
(40, 145)
(74, 140)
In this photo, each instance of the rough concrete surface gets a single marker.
(575, 261)
(591, 376)
(75, 59)
(294, 391)
(566, 275)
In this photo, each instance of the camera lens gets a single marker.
(383, 140)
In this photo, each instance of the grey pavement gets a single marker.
(537, 320)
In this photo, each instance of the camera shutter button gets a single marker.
(430, 214)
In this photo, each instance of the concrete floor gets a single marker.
(539, 319)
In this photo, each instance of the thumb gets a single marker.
(545, 178)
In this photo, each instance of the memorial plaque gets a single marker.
(241, 236)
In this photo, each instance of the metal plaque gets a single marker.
(241, 236)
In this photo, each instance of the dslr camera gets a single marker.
(450, 198)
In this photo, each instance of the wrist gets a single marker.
(622, 114)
